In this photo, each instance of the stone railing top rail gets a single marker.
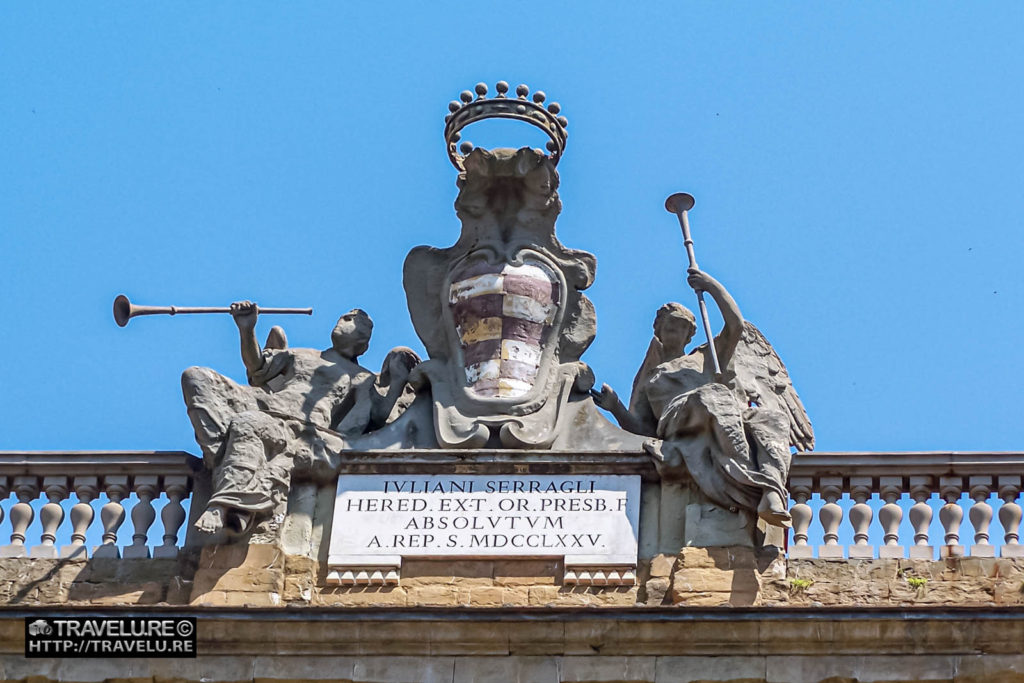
(808, 464)
(499, 461)
(92, 463)
(929, 463)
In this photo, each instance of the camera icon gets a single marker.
(40, 627)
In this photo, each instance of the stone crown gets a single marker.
(501, 106)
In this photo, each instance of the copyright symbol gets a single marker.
(184, 628)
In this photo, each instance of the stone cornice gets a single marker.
(931, 463)
(92, 463)
(576, 632)
(495, 461)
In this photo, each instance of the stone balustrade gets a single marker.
(905, 505)
(844, 505)
(73, 485)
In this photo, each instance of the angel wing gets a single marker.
(762, 375)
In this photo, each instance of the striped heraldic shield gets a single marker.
(503, 314)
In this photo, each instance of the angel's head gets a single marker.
(674, 326)
(351, 336)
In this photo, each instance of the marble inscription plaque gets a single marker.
(587, 519)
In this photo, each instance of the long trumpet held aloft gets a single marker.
(679, 203)
(125, 310)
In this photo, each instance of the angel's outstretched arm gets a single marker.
(608, 399)
(729, 337)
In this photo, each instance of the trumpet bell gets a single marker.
(122, 310)
(679, 202)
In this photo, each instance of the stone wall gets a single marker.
(98, 581)
(265, 576)
(741, 576)
(720, 614)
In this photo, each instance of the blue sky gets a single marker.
(857, 167)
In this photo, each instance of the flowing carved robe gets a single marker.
(733, 451)
(294, 417)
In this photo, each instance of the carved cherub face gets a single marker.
(351, 336)
(674, 326)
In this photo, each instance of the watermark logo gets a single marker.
(110, 637)
(40, 627)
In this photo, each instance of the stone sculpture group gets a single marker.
(302, 406)
(504, 321)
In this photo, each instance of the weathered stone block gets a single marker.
(486, 596)
(516, 596)
(605, 668)
(701, 599)
(527, 572)
(425, 669)
(247, 599)
(300, 564)
(661, 565)
(656, 590)
(265, 555)
(622, 596)
(544, 595)
(690, 669)
(702, 580)
(446, 595)
(445, 571)
(298, 589)
(731, 557)
(108, 594)
(242, 579)
(978, 566)
(502, 669)
(473, 581)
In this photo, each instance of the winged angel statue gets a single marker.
(731, 432)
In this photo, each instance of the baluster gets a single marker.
(889, 516)
(950, 515)
(172, 516)
(921, 518)
(21, 514)
(1010, 516)
(112, 515)
(860, 518)
(831, 515)
(50, 516)
(800, 488)
(980, 515)
(5, 491)
(82, 514)
(143, 516)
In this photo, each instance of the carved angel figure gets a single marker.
(731, 432)
(302, 407)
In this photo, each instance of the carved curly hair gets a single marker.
(673, 310)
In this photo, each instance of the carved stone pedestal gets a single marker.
(435, 527)
(709, 526)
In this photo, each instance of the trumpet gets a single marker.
(125, 310)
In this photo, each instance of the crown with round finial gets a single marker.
(501, 106)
